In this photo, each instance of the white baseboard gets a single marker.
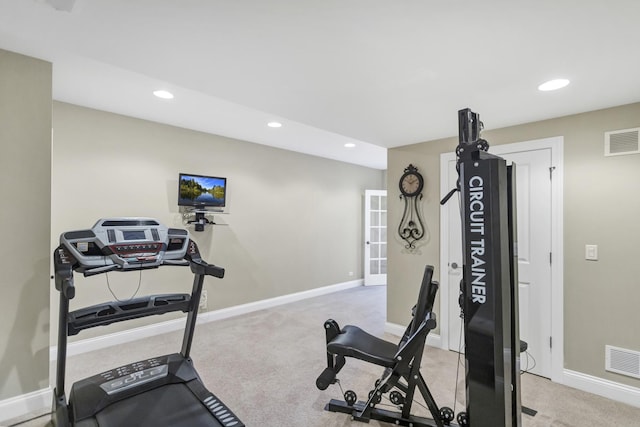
(433, 340)
(19, 406)
(117, 338)
(237, 310)
(605, 388)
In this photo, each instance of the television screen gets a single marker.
(201, 191)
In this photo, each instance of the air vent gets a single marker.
(621, 142)
(622, 361)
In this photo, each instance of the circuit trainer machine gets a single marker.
(489, 288)
(489, 300)
(161, 391)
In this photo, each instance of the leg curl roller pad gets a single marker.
(326, 378)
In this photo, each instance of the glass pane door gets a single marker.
(375, 248)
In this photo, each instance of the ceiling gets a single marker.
(377, 73)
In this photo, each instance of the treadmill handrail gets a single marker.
(106, 313)
(99, 270)
(202, 267)
(177, 262)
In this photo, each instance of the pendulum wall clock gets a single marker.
(411, 227)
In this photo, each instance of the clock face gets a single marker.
(411, 184)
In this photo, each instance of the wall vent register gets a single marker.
(622, 142)
(622, 361)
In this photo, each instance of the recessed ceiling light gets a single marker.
(164, 94)
(553, 85)
(349, 145)
(274, 124)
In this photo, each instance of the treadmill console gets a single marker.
(125, 244)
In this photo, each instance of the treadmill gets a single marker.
(160, 391)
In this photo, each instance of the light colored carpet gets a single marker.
(264, 365)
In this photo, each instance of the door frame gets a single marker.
(556, 144)
(368, 278)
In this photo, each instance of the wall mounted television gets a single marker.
(201, 191)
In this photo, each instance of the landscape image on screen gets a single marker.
(201, 190)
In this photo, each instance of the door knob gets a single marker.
(454, 265)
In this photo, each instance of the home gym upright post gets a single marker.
(490, 287)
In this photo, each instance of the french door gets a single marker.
(375, 237)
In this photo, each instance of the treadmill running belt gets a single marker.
(170, 405)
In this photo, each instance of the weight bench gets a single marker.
(401, 363)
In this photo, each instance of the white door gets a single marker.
(533, 188)
(375, 237)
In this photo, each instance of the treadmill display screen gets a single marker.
(133, 234)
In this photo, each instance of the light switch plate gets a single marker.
(591, 252)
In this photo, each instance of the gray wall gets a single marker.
(294, 222)
(25, 166)
(601, 206)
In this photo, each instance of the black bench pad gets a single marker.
(356, 343)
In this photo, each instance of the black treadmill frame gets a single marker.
(70, 323)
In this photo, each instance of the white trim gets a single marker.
(605, 388)
(557, 265)
(91, 344)
(276, 301)
(556, 144)
(19, 406)
(445, 158)
(433, 340)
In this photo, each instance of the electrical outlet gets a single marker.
(203, 299)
